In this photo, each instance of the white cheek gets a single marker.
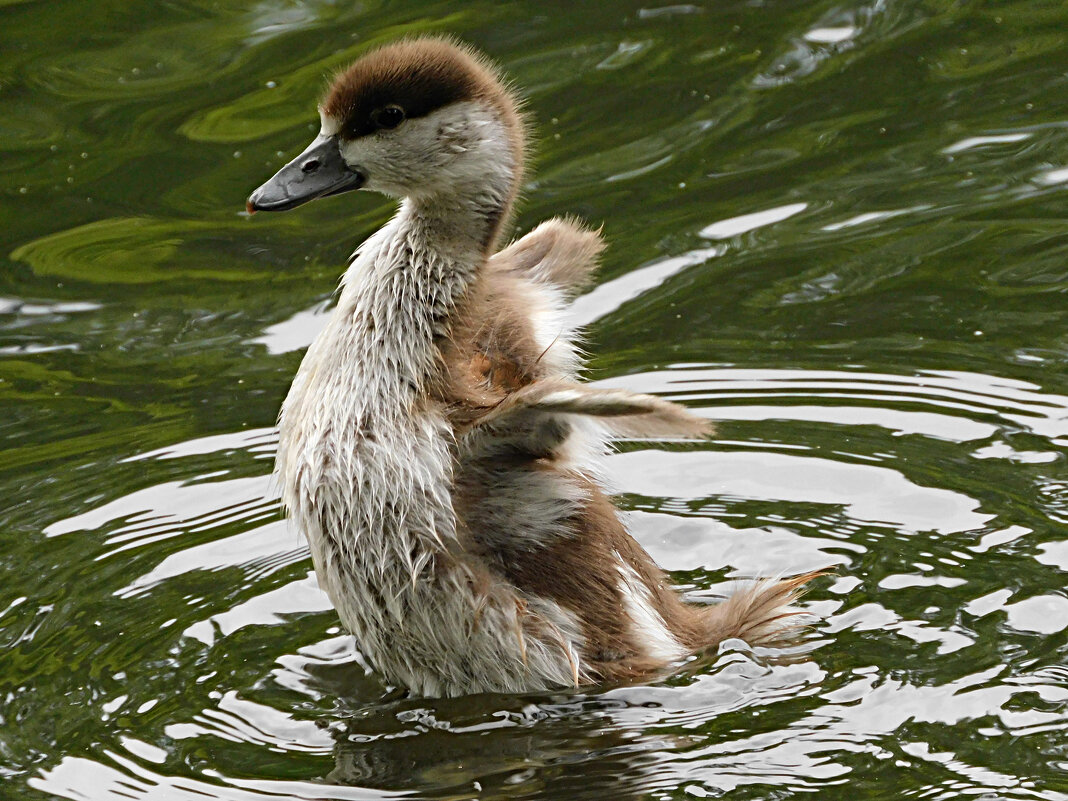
(398, 162)
(369, 155)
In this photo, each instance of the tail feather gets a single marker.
(762, 613)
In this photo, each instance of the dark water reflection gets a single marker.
(836, 228)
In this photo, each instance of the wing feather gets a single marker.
(626, 413)
(559, 252)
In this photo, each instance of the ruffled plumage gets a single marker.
(438, 447)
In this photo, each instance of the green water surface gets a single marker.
(838, 228)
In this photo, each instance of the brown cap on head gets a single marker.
(419, 76)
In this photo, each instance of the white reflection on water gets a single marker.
(253, 440)
(1042, 614)
(929, 424)
(949, 393)
(169, 507)
(691, 543)
(873, 216)
(830, 35)
(743, 224)
(611, 295)
(868, 493)
(128, 779)
(1054, 553)
(240, 720)
(972, 142)
(1052, 177)
(297, 332)
(263, 609)
(270, 547)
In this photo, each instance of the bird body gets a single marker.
(436, 446)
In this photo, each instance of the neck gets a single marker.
(419, 265)
(463, 223)
(400, 293)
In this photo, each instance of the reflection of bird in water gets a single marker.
(542, 750)
(436, 447)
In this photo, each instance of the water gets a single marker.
(836, 228)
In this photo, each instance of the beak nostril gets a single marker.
(311, 165)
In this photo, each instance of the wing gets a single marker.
(559, 253)
(513, 326)
(626, 413)
(514, 360)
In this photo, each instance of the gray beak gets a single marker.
(317, 172)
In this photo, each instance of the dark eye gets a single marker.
(388, 117)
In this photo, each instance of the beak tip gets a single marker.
(249, 207)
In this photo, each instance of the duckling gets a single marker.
(436, 446)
